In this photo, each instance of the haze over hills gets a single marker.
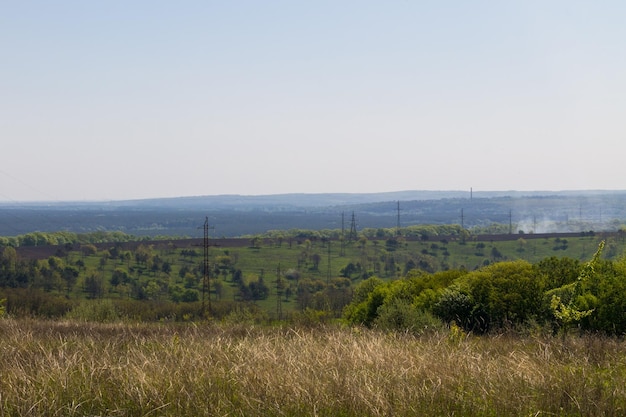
(236, 215)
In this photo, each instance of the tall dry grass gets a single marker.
(78, 369)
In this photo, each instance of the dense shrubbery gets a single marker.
(510, 294)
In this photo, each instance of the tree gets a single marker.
(368, 296)
(152, 290)
(454, 306)
(70, 275)
(570, 313)
(88, 250)
(502, 293)
(316, 258)
(143, 254)
(119, 277)
(256, 242)
(495, 253)
(558, 271)
(8, 259)
(94, 286)
(255, 290)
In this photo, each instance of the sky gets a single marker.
(115, 100)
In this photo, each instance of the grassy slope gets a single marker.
(269, 257)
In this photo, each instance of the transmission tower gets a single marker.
(280, 287)
(398, 222)
(352, 234)
(329, 269)
(206, 284)
(343, 235)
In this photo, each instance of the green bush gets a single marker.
(101, 311)
(400, 315)
(29, 302)
(454, 306)
(503, 294)
(311, 318)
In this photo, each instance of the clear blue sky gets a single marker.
(115, 100)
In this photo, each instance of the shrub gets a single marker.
(101, 311)
(400, 315)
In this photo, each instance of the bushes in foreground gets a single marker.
(514, 294)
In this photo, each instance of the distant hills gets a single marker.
(236, 215)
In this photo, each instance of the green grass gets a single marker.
(374, 256)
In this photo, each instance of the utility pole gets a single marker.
(462, 220)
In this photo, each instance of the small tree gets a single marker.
(569, 314)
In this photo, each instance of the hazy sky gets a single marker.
(109, 100)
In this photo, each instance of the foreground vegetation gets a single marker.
(77, 369)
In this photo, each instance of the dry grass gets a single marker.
(78, 369)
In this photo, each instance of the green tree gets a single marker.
(152, 290)
(255, 242)
(369, 295)
(94, 285)
(503, 293)
(557, 271)
(571, 312)
(70, 275)
(8, 259)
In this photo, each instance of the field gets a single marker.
(313, 273)
(67, 368)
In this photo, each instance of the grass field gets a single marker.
(87, 369)
(311, 262)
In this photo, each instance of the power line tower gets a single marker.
(352, 234)
(206, 283)
(398, 222)
(343, 235)
(329, 268)
(280, 290)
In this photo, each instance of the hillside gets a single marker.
(235, 215)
